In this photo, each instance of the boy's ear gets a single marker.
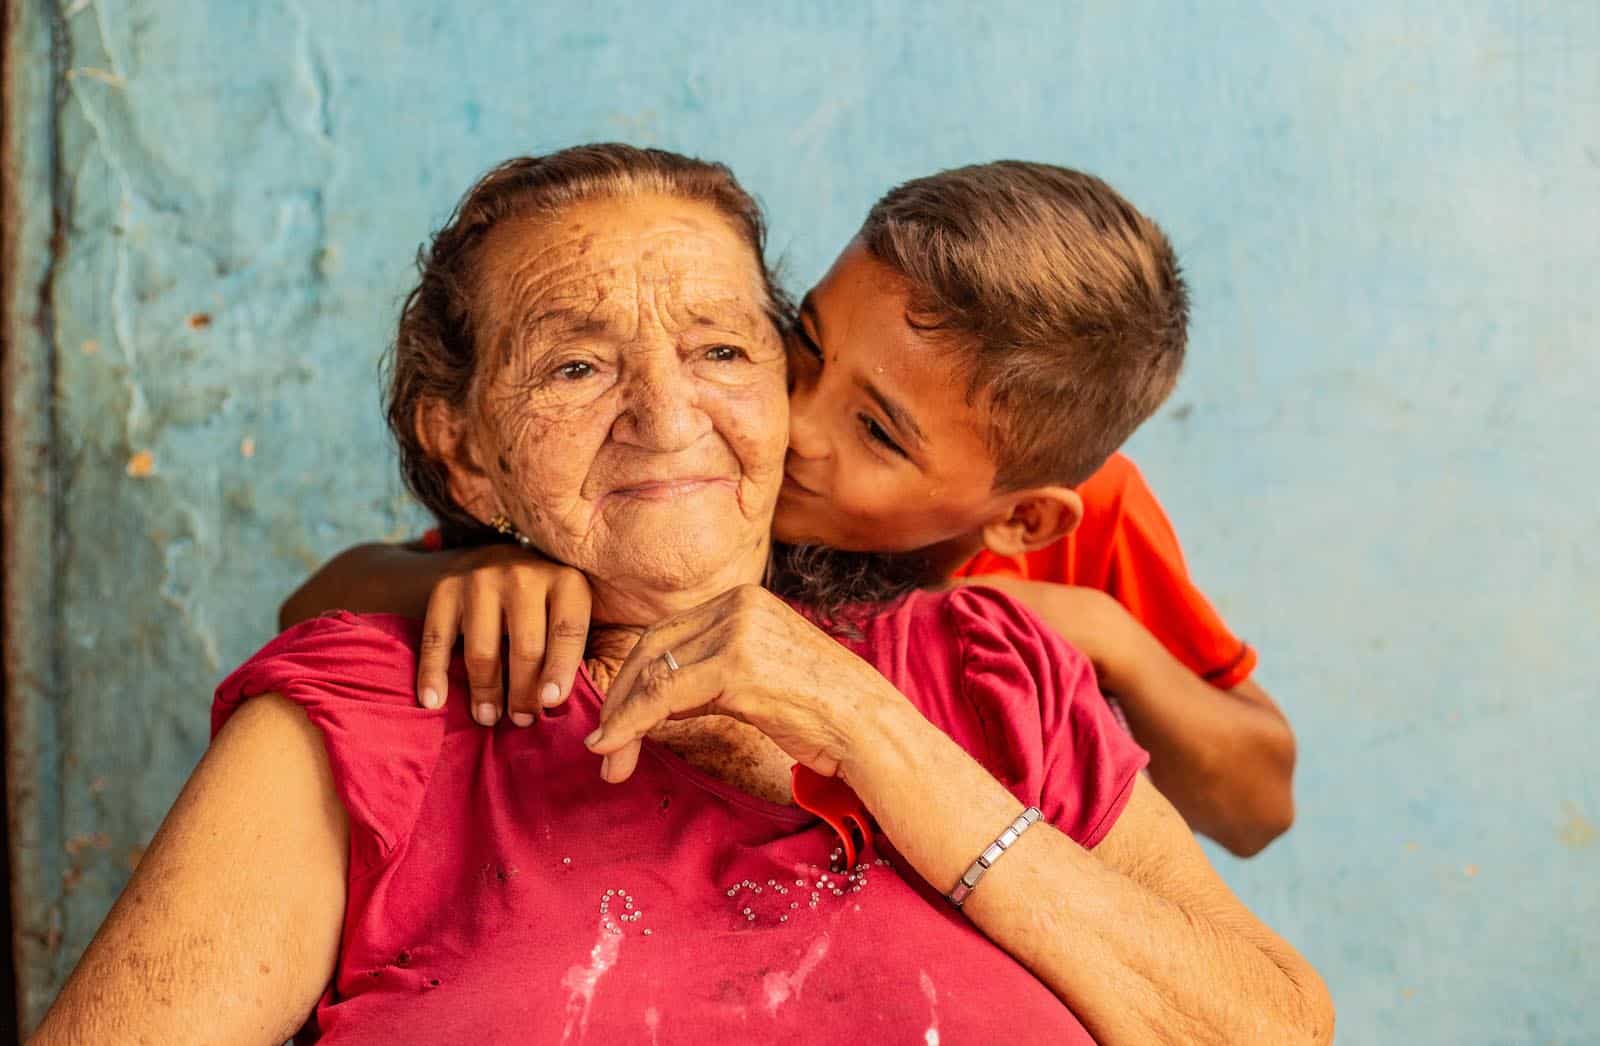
(1037, 517)
(447, 438)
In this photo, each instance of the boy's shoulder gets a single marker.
(1108, 489)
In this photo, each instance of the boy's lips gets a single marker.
(794, 486)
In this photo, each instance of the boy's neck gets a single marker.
(951, 555)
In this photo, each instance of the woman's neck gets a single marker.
(722, 747)
(627, 600)
(608, 648)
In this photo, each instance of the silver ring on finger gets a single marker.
(671, 661)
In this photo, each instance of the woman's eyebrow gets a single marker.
(563, 321)
(730, 314)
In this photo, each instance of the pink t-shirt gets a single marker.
(499, 891)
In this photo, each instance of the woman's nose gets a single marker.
(662, 414)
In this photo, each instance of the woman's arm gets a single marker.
(1140, 937)
(1224, 758)
(229, 929)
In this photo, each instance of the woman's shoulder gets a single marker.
(337, 656)
(977, 663)
(1018, 697)
(342, 627)
(353, 676)
(974, 619)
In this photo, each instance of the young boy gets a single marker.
(961, 379)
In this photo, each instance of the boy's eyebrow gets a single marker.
(898, 415)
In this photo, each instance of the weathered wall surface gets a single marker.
(1381, 458)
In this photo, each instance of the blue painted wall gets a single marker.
(1381, 458)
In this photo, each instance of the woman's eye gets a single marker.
(575, 371)
(876, 432)
(725, 354)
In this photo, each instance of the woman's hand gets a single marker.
(746, 655)
(496, 591)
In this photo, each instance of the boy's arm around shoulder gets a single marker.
(1224, 758)
(369, 579)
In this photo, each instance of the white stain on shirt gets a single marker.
(780, 987)
(581, 981)
(931, 1036)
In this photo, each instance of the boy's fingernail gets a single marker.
(550, 695)
(605, 768)
(521, 718)
(485, 714)
(594, 738)
(430, 698)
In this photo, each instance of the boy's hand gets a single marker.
(498, 591)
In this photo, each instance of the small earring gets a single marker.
(503, 525)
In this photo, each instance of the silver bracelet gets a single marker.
(986, 860)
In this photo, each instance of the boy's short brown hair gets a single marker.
(1068, 300)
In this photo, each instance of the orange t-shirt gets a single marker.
(1126, 547)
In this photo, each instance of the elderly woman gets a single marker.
(591, 364)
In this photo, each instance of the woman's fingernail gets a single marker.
(522, 718)
(430, 698)
(594, 738)
(485, 714)
(550, 695)
(605, 768)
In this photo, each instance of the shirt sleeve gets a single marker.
(1127, 547)
(1049, 734)
(353, 677)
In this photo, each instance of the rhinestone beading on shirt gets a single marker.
(756, 902)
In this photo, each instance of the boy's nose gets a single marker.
(805, 435)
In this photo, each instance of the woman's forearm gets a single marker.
(1140, 938)
(368, 579)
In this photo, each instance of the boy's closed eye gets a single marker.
(877, 434)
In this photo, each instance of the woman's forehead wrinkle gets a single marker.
(562, 283)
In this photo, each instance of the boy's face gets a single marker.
(886, 453)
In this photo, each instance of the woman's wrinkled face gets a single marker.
(632, 416)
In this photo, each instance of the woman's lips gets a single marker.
(667, 489)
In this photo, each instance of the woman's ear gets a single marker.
(448, 439)
(1037, 517)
